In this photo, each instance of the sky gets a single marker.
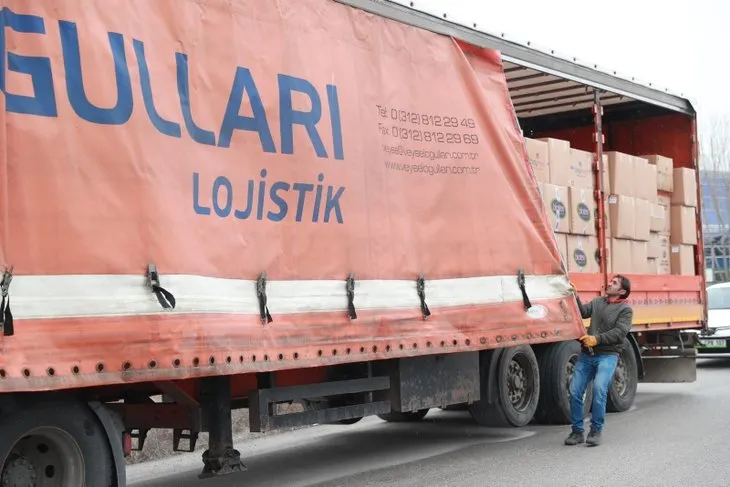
(668, 43)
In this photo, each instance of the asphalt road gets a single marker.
(675, 435)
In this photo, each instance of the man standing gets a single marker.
(611, 318)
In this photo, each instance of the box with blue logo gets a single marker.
(582, 254)
(582, 211)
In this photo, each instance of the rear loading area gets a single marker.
(648, 226)
(635, 211)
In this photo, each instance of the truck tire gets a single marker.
(404, 417)
(622, 391)
(514, 388)
(57, 444)
(556, 362)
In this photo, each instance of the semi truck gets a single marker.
(242, 204)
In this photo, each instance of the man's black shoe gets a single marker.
(594, 438)
(575, 438)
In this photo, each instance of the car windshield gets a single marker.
(718, 298)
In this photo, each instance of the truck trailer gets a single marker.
(333, 203)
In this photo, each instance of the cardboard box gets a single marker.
(654, 247)
(659, 218)
(664, 261)
(537, 151)
(559, 161)
(652, 265)
(684, 226)
(682, 260)
(642, 219)
(555, 199)
(685, 187)
(651, 183)
(581, 169)
(639, 257)
(582, 254)
(622, 210)
(664, 171)
(620, 256)
(641, 173)
(582, 211)
(665, 201)
(621, 173)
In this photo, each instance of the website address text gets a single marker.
(431, 155)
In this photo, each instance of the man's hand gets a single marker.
(572, 286)
(589, 341)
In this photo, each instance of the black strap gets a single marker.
(164, 297)
(421, 289)
(350, 288)
(521, 284)
(261, 293)
(7, 317)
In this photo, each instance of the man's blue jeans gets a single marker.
(600, 369)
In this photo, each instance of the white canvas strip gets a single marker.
(124, 295)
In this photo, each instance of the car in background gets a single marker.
(717, 338)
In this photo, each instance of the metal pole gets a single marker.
(600, 193)
(220, 458)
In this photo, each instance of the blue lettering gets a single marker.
(288, 116)
(120, 113)
(199, 209)
(278, 201)
(262, 195)
(333, 203)
(335, 121)
(165, 126)
(303, 188)
(43, 103)
(199, 135)
(222, 182)
(279, 194)
(244, 82)
(317, 199)
(244, 214)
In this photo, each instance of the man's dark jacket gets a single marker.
(610, 323)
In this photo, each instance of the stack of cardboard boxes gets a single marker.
(650, 209)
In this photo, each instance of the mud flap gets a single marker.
(671, 368)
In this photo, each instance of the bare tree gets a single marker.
(715, 176)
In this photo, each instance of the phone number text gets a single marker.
(416, 118)
(418, 135)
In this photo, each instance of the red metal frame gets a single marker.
(600, 190)
(700, 248)
(663, 134)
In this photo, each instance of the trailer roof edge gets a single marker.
(524, 55)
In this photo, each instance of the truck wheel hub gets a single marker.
(19, 471)
(517, 382)
(620, 379)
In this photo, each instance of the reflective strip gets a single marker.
(120, 295)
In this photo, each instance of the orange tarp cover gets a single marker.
(221, 140)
